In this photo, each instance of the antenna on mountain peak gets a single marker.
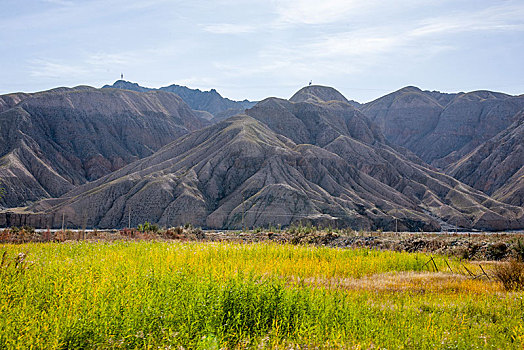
(310, 82)
(122, 76)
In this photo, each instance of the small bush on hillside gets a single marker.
(519, 250)
(511, 274)
(302, 230)
(469, 251)
(148, 227)
(498, 251)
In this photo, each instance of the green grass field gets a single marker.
(193, 295)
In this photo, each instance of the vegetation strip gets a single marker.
(151, 294)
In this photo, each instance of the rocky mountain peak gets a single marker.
(409, 88)
(317, 93)
(127, 85)
(482, 95)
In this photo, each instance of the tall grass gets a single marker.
(510, 274)
(216, 295)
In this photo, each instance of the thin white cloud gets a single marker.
(73, 13)
(40, 68)
(243, 69)
(314, 11)
(207, 43)
(60, 2)
(140, 5)
(229, 28)
(203, 83)
(90, 64)
(343, 53)
(356, 43)
(110, 59)
(497, 18)
(368, 46)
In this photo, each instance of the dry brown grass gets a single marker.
(510, 274)
(419, 282)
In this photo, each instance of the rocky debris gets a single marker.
(55, 140)
(463, 246)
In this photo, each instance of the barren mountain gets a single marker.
(513, 190)
(442, 128)
(54, 140)
(208, 101)
(317, 160)
(316, 93)
(495, 165)
(10, 100)
(317, 123)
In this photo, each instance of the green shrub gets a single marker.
(148, 227)
(498, 250)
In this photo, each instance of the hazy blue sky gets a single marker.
(254, 49)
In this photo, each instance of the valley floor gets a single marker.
(479, 246)
(210, 295)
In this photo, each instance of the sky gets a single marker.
(256, 49)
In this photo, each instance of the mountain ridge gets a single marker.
(441, 128)
(281, 162)
(208, 101)
(54, 140)
(314, 158)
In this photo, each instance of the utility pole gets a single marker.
(84, 223)
(63, 217)
(243, 211)
(396, 225)
(129, 218)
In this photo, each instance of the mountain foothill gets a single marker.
(125, 154)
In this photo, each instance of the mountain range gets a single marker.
(456, 132)
(413, 159)
(52, 141)
(442, 128)
(208, 104)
